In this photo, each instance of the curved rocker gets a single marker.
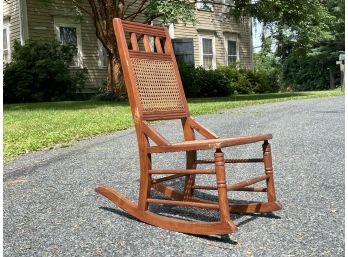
(189, 227)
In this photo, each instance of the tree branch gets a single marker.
(100, 32)
(141, 8)
(128, 6)
(150, 19)
(214, 3)
(78, 5)
(121, 9)
(102, 8)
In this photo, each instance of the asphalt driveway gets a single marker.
(51, 209)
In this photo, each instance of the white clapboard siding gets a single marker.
(11, 13)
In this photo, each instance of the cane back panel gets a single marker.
(153, 78)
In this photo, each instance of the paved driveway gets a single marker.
(51, 209)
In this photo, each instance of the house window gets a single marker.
(205, 5)
(183, 49)
(207, 44)
(70, 34)
(232, 50)
(6, 43)
(103, 55)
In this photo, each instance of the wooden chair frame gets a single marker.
(147, 106)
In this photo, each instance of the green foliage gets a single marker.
(105, 95)
(39, 72)
(199, 82)
(245, 81)
(225, 80)
(307, 54)
(310, 72)
(336, 24)
(301, 22)
(297, 72)
(236, 79)
(268, 67)
(170, 11)
(211, 83)
(189, 77)
(323, 25)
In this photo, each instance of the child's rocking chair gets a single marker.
(155, 93)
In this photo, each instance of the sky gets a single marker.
(256, 36)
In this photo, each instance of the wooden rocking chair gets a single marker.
(155, 93)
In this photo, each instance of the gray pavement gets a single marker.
(51, 209)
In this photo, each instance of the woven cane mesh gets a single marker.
(157, 85)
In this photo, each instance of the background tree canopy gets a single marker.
(301, 28)
(308, 36)
(297, 25)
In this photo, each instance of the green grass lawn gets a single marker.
(31, 127)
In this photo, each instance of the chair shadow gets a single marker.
(191, 213)
(254, 216)
(218, 238)
(169, 211)
(214, 238)
(226, 239)
(118, 212)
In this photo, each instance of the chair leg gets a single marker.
(145, 182)
(191, 157)
(267, 158)
(222, 189)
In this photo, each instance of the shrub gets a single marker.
(105, 95)
(226, 80)
(238, 82)
(211, 83)
(189, 79)
(198, 82)
(39, 71)
(310, 72)
(272, 81)
(268, 70)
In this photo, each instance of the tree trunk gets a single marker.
(114, 80)
(332, 79)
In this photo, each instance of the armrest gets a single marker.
(201, 129)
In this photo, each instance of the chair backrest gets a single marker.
(151, 74)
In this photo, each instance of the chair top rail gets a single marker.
(150, 55)
(141, 28)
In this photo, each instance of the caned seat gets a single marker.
(206, 144)
(155, 92)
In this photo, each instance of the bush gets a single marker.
(310, 72)
(226, 80)
(105, 95)
(238, 81)
(189, 79)
(268, 71)
(211, 83)
(198, 82)
(39, 71)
